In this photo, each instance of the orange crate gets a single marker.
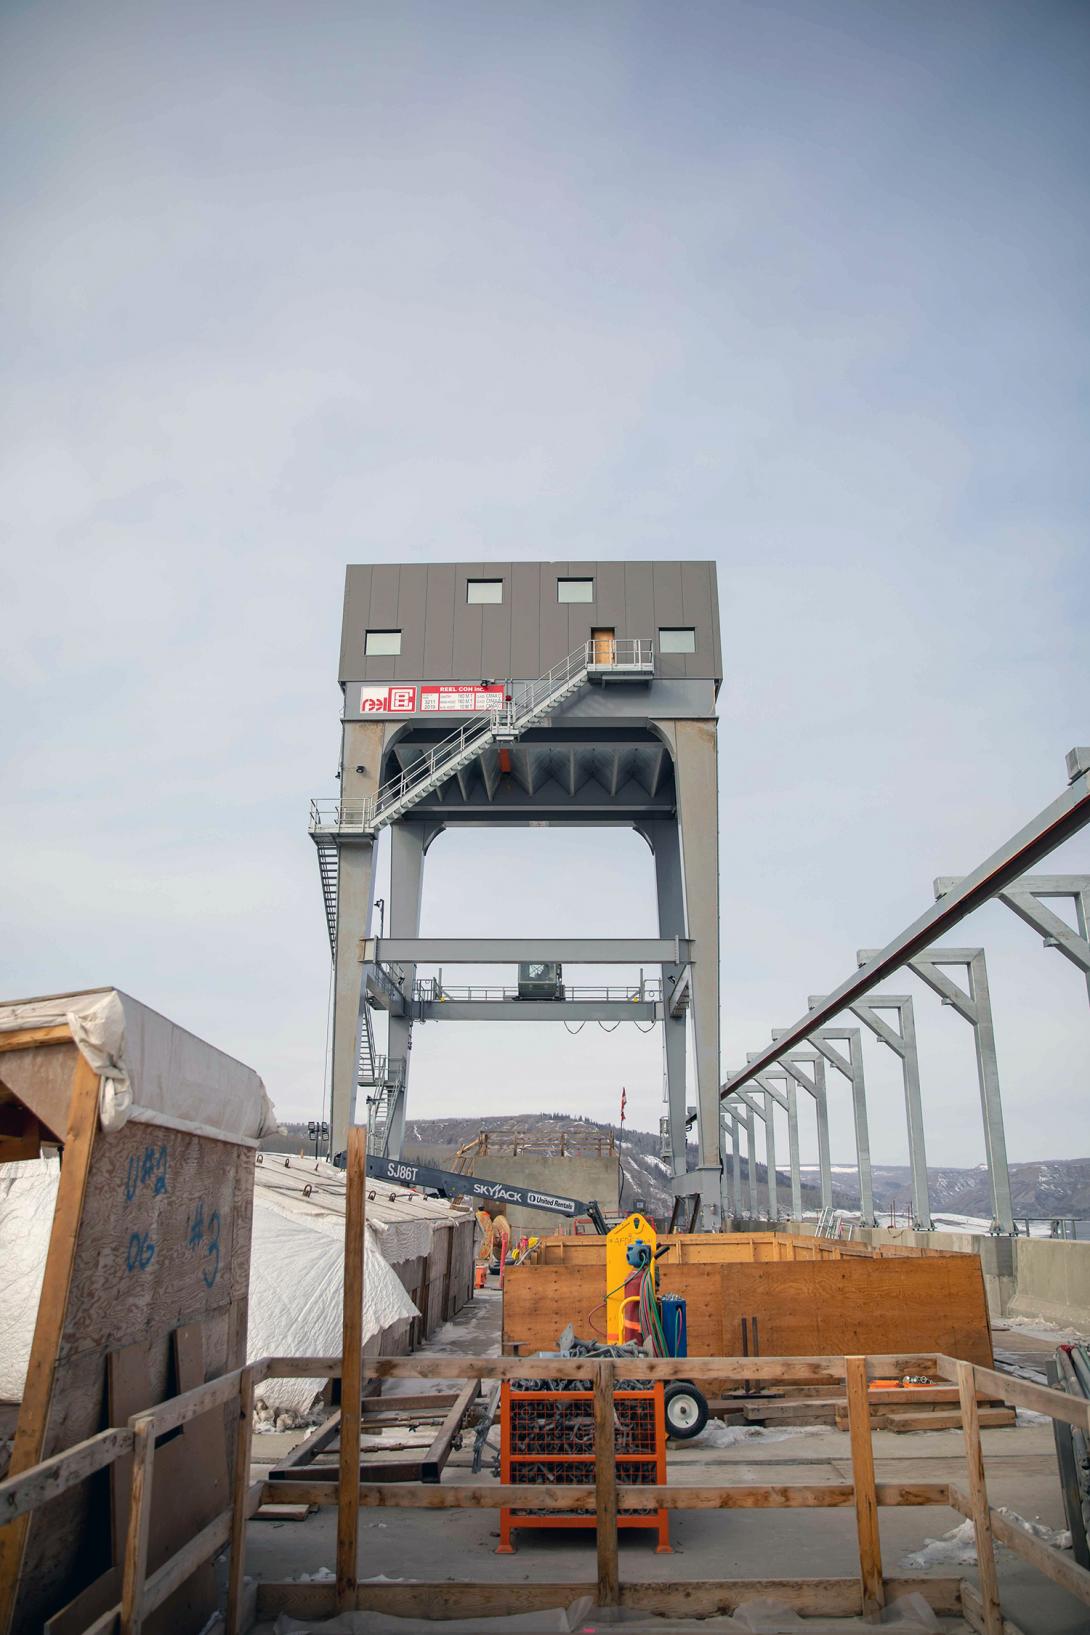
(547, 1439)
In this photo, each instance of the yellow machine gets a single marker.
(621, 1273)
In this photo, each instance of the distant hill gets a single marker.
(1053, 1186)
(1056, 1186)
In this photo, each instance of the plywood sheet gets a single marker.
(161, 1239)
(837, 1308)
(829, 1307)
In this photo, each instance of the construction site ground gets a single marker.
(707, 1545)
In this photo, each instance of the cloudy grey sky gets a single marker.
(799, 286)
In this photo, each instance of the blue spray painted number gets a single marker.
(141, 1252)
(149, 1169)
(205, 1234)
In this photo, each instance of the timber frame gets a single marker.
(865, 1593)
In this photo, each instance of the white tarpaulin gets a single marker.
(296, 1271)
(153, 1071)
(28, 1193)
(297, 1264)
(297, 1295)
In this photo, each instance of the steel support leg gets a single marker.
(736, 1165)
(793, 1150)
(751, 1160)
(976, 1007)
(407, 841)
(902, 1040)
(665, 843)
(825, 1165)
(696, 781)
(725, 1192)
(770, 1159)
(851, 1066)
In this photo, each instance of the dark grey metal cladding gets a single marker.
(445, 637)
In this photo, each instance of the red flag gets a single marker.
(624, 1102)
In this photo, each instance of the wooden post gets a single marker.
(866, 1497)
(135, 1564)
(239, 1500)
(978, 1494)
(348, 1493)
(605, 1483)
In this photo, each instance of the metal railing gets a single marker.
(430, 990)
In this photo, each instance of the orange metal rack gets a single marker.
(547, 1439)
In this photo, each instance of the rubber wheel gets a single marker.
(686, 1411)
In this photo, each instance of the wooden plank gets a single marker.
(1018, 1393)
(190, 1466)
(972, 1610)
(1055, 1564)
(988, 1419)
(836, 1596)
(29, 1038)
(53, 1304)
(431, 1467)
(319, 1439)
(20, 1494)
(803, 1370)
(491, 1496)
(605, 1483)
(135, 1562)
(859, 1306)
(240, 1493)
(348, 1506)
(398, 1407)
(866, 1498)
(978, 1497)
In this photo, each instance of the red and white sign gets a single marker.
(390, 700)
(461, 698)
(450, 698)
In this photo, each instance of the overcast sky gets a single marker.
(802, 287)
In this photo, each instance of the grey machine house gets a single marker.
(526, 693)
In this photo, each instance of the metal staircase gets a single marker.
(327, 869)
(382, 1081)
(616, 659)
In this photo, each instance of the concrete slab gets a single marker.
(1020, 1463)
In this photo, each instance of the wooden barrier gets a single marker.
(142, 1593)
(867, 1592)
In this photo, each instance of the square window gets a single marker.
(575, 590)
(484, 590)
(382, 644)
(677, 640)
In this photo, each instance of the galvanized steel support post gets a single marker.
(815, 1087)
(662, 836)
(1027, 896)
(851, 1067)
(902, 1041)
(976, 1007)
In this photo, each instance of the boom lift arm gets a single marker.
(453, 1185)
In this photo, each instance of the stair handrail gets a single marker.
(473, 732)
(510, 714)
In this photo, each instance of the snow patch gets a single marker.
(718, 1435)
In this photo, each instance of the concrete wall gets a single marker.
(1024, 1277)
(578, 1176)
